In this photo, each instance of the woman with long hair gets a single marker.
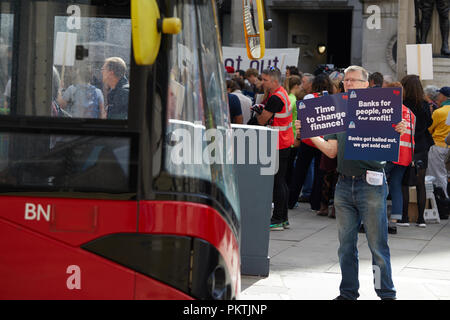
(413, 98)
(395, 170)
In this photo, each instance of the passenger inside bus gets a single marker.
(113, 72)
(82, 99)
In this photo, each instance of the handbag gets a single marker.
(253, 121)
(410, 175)
(257, 109)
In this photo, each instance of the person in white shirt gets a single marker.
(233, 86)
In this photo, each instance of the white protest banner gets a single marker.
(65, 45)
(279, 58)
(419, 60)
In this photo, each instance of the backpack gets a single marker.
(85, 102)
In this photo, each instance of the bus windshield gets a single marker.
(198, 124)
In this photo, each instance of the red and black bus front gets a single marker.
(143, 206)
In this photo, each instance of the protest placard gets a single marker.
(65, 45)
(372, 115)
(322, 115)
(419, 60)
(279, 58)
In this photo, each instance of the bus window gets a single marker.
(84, 58)
(198, 126)
(65, 163)
(6, 42)
(216, 99)
(186, 122)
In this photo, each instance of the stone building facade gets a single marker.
(361, 32)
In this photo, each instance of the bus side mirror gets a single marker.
(147, 26)
(267, 24)
(254, 25)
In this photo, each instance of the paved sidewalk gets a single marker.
(304, 263)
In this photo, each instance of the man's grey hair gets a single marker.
(309, 77)
(363, 71)
(431, 91)
(388, 79)
(273, 72)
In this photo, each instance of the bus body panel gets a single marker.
(41, 258)
(151, 289)
(195, 220)
(33, 266)
(72, 221)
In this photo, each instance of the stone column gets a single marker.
(237, 38)
(379, 38)
(357, 33)
(402, 37)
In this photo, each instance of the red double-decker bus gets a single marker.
(94, 203)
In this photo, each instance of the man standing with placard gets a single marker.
(360, 196)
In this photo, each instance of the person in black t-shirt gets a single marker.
(276, 106)
(235, 109)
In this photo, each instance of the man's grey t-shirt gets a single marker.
(352, 167)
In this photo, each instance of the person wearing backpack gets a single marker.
(82, 99)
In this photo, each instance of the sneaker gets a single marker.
(339, 297)
(421, 225)
(402, 223)
(286, 225)
(276, 227)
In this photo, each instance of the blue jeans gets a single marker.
(356, 201)
(307, 185)
(395, 173)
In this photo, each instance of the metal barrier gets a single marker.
(255, 177)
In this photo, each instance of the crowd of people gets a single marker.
(107, 99)
(340, 188)
(311, 176)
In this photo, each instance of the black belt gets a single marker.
(361, 176)
(352, 177)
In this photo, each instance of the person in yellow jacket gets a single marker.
(439, 131)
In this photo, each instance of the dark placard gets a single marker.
(322, 115)
(372, 115)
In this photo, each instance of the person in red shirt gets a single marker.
(396, 170)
